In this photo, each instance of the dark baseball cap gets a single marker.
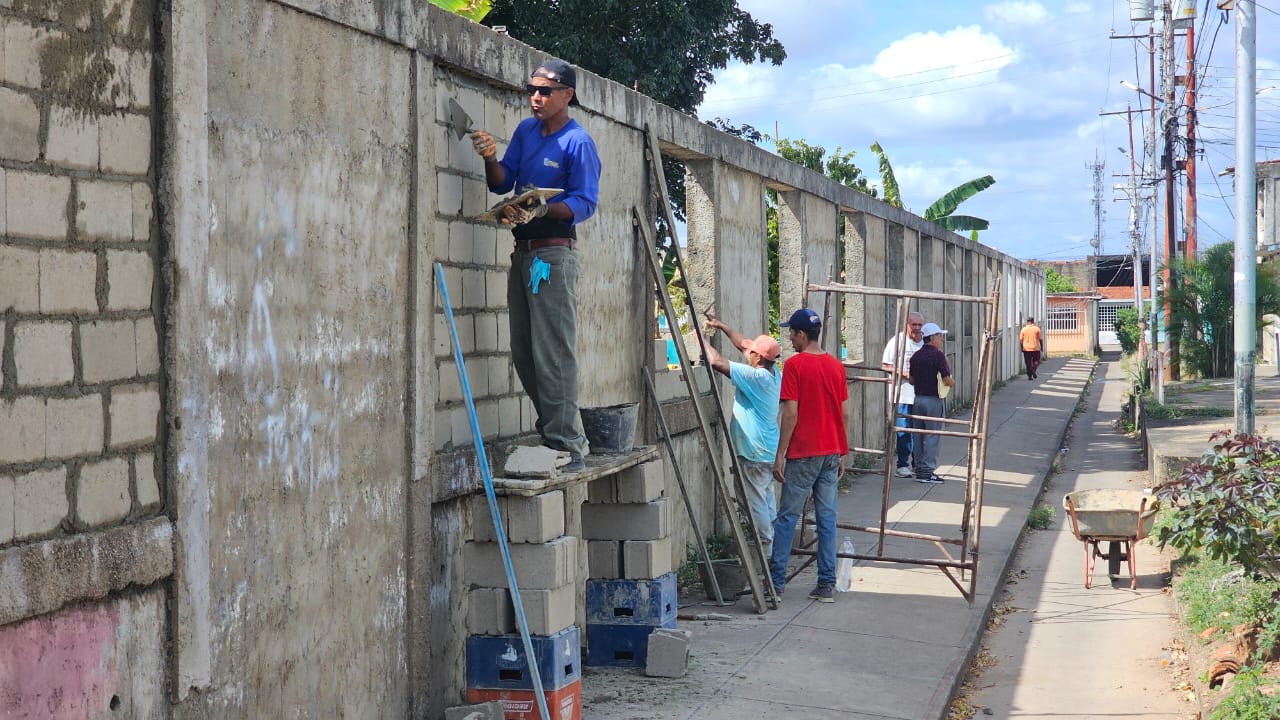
(561, 72)
(803, 319)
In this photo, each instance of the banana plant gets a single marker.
(474, 10)
(941, 211)
(887, 179)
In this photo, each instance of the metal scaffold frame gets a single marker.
(956, 568)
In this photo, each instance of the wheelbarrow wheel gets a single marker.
(1115, 555)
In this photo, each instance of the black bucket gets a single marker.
(610, 430)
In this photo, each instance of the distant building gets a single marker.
(1071, 326)
(1268, 183)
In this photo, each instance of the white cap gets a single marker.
(932, 329)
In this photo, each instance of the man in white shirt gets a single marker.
(911, 339)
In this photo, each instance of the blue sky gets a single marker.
(958, 89)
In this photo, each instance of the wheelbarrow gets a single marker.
(1118, 517)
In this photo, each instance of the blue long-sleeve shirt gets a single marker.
(564, 159)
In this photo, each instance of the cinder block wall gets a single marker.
(81, 491)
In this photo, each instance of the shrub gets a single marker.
(1228, 504)
(1128, 330)
(1040, 517)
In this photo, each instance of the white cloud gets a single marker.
(955, 53)
(1016, 13)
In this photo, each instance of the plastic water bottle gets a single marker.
(844, 567)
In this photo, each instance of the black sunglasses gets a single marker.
(543, 90)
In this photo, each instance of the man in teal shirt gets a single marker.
(754, 427)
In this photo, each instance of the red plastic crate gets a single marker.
(563, 704)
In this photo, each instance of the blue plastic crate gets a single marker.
(498, 661)
(620, 645)
(632, 602)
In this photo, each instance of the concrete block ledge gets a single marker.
(42, 577)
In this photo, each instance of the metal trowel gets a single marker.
(459, 120)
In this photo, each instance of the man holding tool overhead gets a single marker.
(754, 427)
(548, 150)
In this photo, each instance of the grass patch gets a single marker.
(1212, 594)
(1041, 517)
(1161, 411)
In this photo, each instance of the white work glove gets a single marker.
(484, 144)
(517, 215)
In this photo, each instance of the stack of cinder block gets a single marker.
(668, 379)
(632, 589)
(545, 562)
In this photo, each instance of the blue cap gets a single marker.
(803, 319)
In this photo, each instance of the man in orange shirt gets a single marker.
(1032, 347)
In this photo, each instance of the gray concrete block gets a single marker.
(39, 502)
(489, 612)
(68, 281)
(547, 611)
(669, 385)
(36, 205)
(103, 493)
(20, 133)
(108, 350)
(627, 521)
(105, 212)
(491, 710)
(660, 353)
(482, 529)
(536, 519)
(19, 274)
(603, 490)
(604, 559)
(73, 139)
(642, 483)
(668, 653)
(537, 566)
(646, 559)
(135, 410)
(73, 426)
(42, 353)
(25, 430)
(129, 278)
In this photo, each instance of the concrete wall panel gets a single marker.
(310, 182)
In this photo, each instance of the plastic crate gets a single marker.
(563, 704)
(498, 661)
(650, 603)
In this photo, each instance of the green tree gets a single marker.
(1202, 309)
(942, 210)
(1056, 282)
(666, 49)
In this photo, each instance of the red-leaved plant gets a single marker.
(1227, 505)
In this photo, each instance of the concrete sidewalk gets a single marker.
(896, 646)
(1062, 649)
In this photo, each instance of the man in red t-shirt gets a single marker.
(812, 443)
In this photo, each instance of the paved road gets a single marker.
(1066, 652)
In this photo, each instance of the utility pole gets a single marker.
(1170, 124)
(1157, 355)
(1135, 208)
(1097, 167)
(1191, 207)
(1246, 243)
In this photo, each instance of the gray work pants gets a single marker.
(544, 331)
(926, 453)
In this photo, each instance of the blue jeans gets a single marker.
(820, 475)
(904, 439)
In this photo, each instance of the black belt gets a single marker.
(539, 243)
